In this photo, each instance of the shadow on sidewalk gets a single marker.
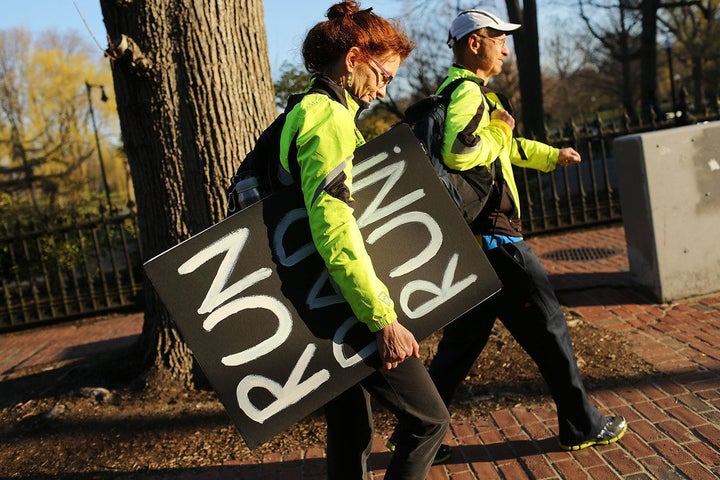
(314, 468)
(598, 289)
(509, 450)
(105, 369)
(590, 280)
(310, 469)
(92, 348)
(478, 452)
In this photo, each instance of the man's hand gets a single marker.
(568, 156)
(395, 345)
(503, 115)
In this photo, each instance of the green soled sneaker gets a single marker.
(613, 431)
(443, 454)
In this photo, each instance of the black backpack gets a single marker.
(470, 189)
(262, 163)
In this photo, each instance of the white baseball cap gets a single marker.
(471, 20)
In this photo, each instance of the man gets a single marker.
(479, 131)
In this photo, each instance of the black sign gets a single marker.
(255, 303)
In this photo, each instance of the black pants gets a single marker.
(528, 307)
(408, 392)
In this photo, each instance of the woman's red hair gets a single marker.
(347, 26)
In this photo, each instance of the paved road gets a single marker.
(673, 417)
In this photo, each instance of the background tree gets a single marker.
(696, 30)
(648, 49)
(648, 56)
(427, 25)
(527, 50)
(48, 156)
(292, 79)
(194, 90)
(568, 58)
(616, 26)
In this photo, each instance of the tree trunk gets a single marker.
(527, 49)
(193, 87)
(628, 99)
(648, 56)
(698, 77)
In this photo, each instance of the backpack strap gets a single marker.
(468, 132)
(450, 88)
(469, 138)
(504, 101)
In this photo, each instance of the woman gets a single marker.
(353, 56)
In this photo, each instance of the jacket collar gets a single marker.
(459, 71)
(339, 94)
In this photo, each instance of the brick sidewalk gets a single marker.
(673, 417)
(30, 351)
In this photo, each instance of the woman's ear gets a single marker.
(352, 57)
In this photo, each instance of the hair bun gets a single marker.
(343, 9)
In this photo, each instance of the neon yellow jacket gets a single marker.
(467, 145)
(320, 132)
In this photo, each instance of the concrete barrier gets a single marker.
(670, 198)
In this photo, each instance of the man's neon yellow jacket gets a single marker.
(472, 140)
(321, 135)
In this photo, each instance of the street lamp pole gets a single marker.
(668, 49)
(89, 86)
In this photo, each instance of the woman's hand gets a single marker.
(395, 345)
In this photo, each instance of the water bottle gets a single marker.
(247, 192)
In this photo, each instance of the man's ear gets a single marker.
(473, 42)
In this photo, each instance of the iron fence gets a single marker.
(585, 194)
(66, 267)
(576, 196)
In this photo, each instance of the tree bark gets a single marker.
(648, 56)
(698, 78)
(193, 88)
(628, 101)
